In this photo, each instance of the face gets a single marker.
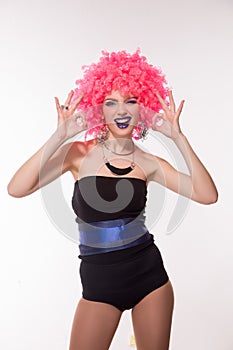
(121, 113)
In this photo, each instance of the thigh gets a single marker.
(152, 319)
(94, 325)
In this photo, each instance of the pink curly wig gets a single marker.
(124, 72)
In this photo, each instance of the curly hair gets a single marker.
(124, 72)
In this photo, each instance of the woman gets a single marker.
(121, 268)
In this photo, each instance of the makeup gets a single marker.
(122, 122)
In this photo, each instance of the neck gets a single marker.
(120, 145)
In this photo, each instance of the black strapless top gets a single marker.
(99, 199)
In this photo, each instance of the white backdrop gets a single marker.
(43, 46)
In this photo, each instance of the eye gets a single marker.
(132, 101)
(110, 103)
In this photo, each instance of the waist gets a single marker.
(110, 235)
(118, 254)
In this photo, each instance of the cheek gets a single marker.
(107, 117)
(135, 120)
(108, 111)
(135, 116)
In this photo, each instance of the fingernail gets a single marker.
(79, 121)
(159, 121)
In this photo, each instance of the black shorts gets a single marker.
(123, 278)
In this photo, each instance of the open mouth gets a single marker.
(122, 122)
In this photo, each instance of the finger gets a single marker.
(57, 104)
(68, 100)
(76, 102)
(80, 119)
(172, 102)
(158, 119)
(179, 110)
(165, 107)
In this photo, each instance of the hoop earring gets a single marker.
(144, 131)
(141, 131)
(102, 134)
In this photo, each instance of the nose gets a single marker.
(121, 109)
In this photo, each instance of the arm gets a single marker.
(198, 185)
(51, 160)
(44, 166)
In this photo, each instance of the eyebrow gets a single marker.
(114, 99)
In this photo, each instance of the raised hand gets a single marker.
(69, 122)
(168, 122)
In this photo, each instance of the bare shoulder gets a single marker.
(79, 148)
(151, 163)
(150, 157)
(147, 157)
(75, 152)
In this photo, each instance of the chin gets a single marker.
(121, 133)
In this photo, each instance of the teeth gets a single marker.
(122, 121)
(122, 126)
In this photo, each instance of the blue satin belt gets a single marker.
(110, 235)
